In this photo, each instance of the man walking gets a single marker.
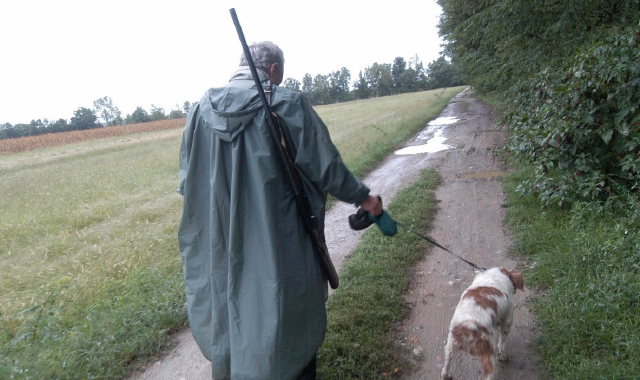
(255, 290)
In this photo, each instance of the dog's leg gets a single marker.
(448, 352)
(488, 362)
(504, 333)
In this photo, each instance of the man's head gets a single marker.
(267, 57)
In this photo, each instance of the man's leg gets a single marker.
(309, 373)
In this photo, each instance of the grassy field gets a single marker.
(92, 278)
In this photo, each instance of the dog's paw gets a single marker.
(446, 376)
(503, 357)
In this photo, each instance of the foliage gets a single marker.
(339, 85)
(83, 118)
(569, 75)
(157, 113)
(139, 115)
(176, 113)
(374, 81)
(109, 113)
(361, 87)
(587, 260)
(580, 125)
(187, 106)
(496, 43)
(292, 84)
(441, 73)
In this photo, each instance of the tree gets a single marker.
(187, 106)
(381, 79)
(339, 85)
(106, 111)
(307, 84)
(321, 93)
(157, 113)
(138, 116)
(441, 73)
(421, 76)
(61, 125)
(292, 84)
(83, 118)
(397, 70)
(361, 86)
(177, 113)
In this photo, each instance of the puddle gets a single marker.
(436, 142)
(443, 120)
(484, 175)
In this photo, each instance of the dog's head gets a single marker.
(515, 277)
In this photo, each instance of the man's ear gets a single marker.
(276, 73)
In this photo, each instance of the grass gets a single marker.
(586, 266)
(92, 279)
(364, 310)
(91, 276)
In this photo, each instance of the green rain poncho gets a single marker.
(255, 291)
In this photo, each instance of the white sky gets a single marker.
(57, 56)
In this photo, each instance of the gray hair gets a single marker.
(264, 54)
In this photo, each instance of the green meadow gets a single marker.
(91, 279)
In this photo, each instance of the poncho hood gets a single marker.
(228, 110)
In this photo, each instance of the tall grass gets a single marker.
(91, 277)
(90, 272)
(586, 264)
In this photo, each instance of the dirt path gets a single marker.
(469, 222)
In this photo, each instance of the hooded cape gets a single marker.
(255, 291)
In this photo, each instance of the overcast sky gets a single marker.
(60, 55)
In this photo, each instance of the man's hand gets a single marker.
(373, 205)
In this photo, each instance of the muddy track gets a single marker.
(468, 222)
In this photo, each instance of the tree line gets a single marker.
(375, 81)
(568, 74)
(104, 113)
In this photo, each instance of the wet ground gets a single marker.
(469, 222)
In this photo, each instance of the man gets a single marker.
(255, 290)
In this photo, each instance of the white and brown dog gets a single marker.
(483, 318)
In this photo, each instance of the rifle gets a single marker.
(293, 177)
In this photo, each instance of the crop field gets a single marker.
(91, 278)
(22, 144)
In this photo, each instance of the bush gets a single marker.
(580, 125)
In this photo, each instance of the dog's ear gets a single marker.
(517, 280)
(515, 277)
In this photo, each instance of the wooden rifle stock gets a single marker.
(283, 148)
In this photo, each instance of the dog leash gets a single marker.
(439, 246)
(362, 219)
